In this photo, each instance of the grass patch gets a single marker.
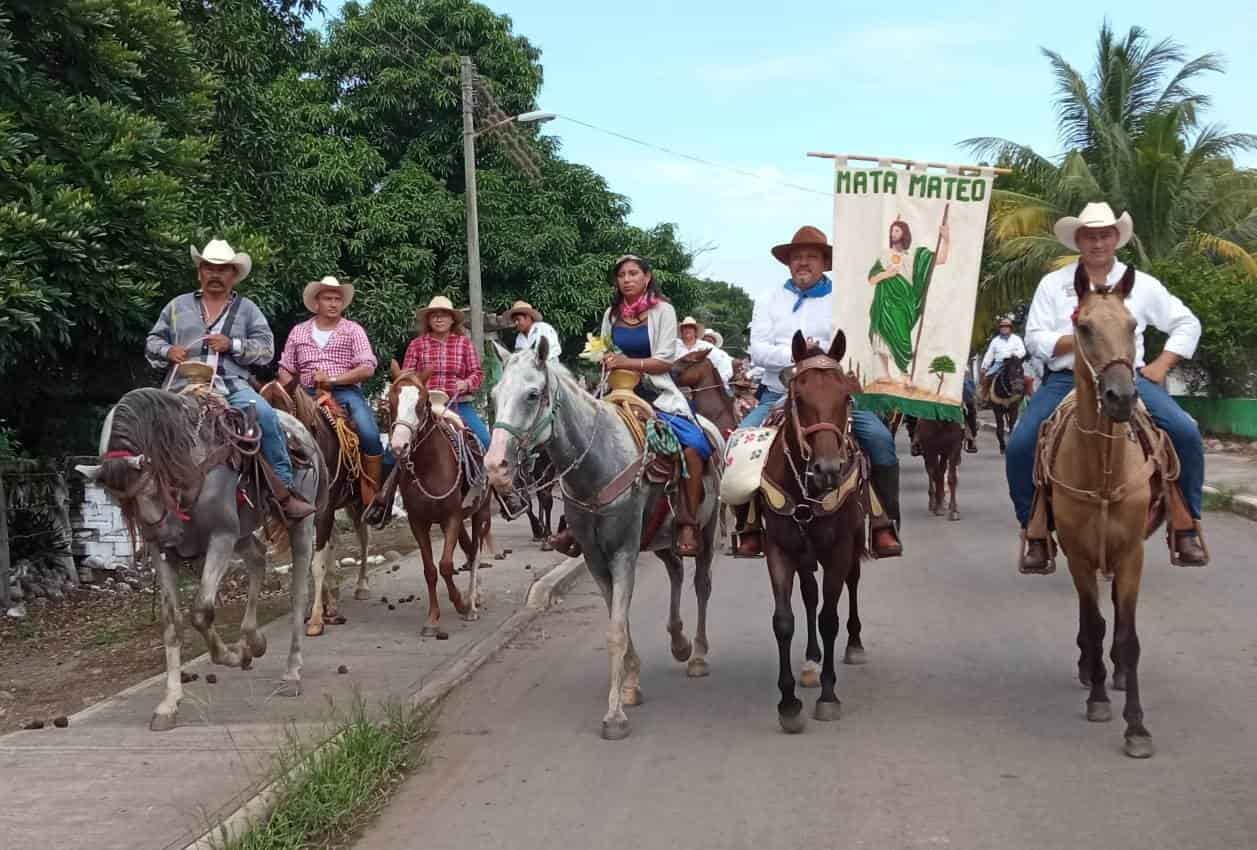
(1219, 501)
(115, 633)
(329, 796)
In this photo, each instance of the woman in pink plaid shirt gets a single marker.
(444, 347)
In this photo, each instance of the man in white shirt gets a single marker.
(1097, 236)
(719, 357)
(527, 321)
(805, 302)
(1005, 344)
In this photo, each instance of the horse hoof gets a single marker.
(615, 730)
(855, 655)
(1119, 680)
(289, 688)
(682, 651)
(954, 516)
(827, 712)
(1139, 746)
(246, 662)
(1099, 712)
(792, 724)
(631, 697)
(362, 593)
(810, 676)
(314, 630)
(697, 668)
(546, 547)
(428, 631)
(471, 615)
(257, 647)
(166, 722)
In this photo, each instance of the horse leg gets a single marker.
(828, 707)
(1000, 413)
(781, 574)
(953, 477)
(453, 527)
(810, 674)
(480, 522)
(301, 535)
(855, 648)
(362, 587)
(1091, 627)
(680, 644)
(615, 723)
(545, 509)
(166, 714)
(1115, 655)
(217, 561)
(631, 689)
(324, 557)
(252, 643)
(697, 667)
(421, 531)
(1138, 741)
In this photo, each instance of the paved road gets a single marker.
(965, 730)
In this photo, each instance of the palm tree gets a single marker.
(1134, 139)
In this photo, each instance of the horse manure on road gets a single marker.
(211, 678)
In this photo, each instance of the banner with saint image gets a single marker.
(907, 256)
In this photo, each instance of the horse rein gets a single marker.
(420, 432)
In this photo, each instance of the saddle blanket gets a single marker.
(745, 456)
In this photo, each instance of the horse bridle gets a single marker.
(419, 432)
(818, 362)
(1082, 355)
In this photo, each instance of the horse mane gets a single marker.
(162, 426)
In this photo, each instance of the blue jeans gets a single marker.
(363, 419)
(871, 432)
(1184, 434)
(274, 443)
(473, 421)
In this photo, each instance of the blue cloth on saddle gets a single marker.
(635, 342)
(969, 389)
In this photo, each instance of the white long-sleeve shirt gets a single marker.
(1001, 348)
(773, 324)
(718, 357)
(1051, 315)
(534, 335)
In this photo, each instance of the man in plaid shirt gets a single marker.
(445, 348)
(333, 353)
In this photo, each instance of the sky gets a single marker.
(753, 86)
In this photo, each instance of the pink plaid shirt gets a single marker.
(347, 349)
(450, 361)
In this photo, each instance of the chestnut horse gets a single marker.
(940, 443)
(441, 477)
(815, 465)
(702, 384)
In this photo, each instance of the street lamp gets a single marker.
(473, 217)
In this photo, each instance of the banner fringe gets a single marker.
(881, 403)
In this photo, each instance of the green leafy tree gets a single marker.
(942, 367)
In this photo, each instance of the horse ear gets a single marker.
(543, 351)
(1127, 282)
(700, 355)
(88, 472)
(838, 347)
(798, 346)
(1082, 283)
(393, 369)
(500, 352)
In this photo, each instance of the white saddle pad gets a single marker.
(745, 456)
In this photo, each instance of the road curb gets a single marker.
(1240, 505)
(541, 595)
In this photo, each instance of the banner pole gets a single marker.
(925, 296)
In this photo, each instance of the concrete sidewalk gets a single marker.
(108, 782)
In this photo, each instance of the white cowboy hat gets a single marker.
(439, 302)
(1096, 214)
(217, 252)
(328, 283)
(720, 340)
(689, 320)
(1005, 321)
(525, 308)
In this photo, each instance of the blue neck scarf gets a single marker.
(820, 289)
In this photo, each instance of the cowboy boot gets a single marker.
(1036, 560)
(380, 511)
(293, 507)
(883, 525)
(688, 541)
(1037, 556)
(1190, 549)
(372, 477)
(747, 532)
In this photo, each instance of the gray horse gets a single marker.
(540, 405)
(153, 446)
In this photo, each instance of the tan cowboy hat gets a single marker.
(218, 253)
(1097, 214)
(1005, 321)
(439, 302)
(327, 284)
(525, 308)
(689, 321)
(720, 340)
(806, 237)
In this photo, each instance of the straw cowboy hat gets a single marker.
(689, 321)
(525, 308)
(1097, 214)
(440, 302)
(327, 284)
(806, 237)
(217, 252)
(1005, 321)
(720, 340)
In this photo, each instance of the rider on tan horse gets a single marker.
(332, 353)
(1096, 234)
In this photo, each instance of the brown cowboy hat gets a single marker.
(525, 308)
(806, 237)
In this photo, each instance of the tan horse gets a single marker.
(1100, 493)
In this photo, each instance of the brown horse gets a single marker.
(441, 476)
(940, 443)
(702, 384)
(344, 493)
(1100, 493)
(814, 514)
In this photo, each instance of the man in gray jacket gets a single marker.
(221, 328)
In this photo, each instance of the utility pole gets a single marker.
(473, 216)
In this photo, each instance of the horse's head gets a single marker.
(694, 370)
(409, 409)
(819, 402)
(1104, 341)
(524, 402)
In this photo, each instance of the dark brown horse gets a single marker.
(940, 443)
(698, 379)
(814, 514)
(441, 476)
(1006, 391)
(344, 493)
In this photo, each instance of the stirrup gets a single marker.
(1049, 566)
(1172, 540)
